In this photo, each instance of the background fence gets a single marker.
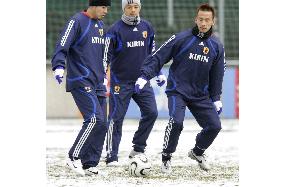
(167, 17)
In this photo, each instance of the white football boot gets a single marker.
(113, 164)
(91, 171)
(133, 153)
(203, 164)
(166, 167)
(75, 165)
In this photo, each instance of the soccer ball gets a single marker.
(139, 166)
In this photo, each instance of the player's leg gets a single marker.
(148, 107)
(120, 96)
(207, 117)
(103, 103)
(89, 142)
(173, 130)
(97, 145)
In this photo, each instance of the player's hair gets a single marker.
(206, 7)
(99, 2)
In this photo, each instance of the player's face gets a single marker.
(132, 10)
(101, 11)
(204, 20)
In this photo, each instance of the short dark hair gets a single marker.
(206, 7)
(99, 2)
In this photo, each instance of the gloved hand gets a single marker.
(139, 84)
(58, 74)
(162, 79)
(218, 106)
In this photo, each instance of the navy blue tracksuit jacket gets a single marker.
(198, 65)
(126, 48)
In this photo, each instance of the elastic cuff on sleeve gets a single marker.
(215, 98)
(54, 68)
(144, 77)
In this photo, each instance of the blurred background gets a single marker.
(167, 17)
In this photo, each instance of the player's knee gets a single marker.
(117, 121)
(154, 113)
(118, 131)
(104, 128)
(100, 122)
(176, 124)
(151, 114)
(216, 127)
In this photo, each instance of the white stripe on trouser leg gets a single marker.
(168, 133)
(109, 140)
(84, 137)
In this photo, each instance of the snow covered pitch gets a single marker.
(222, 155)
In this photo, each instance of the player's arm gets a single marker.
(216, 75)
(152, 44)
(153, 64)
(110, 42)
(161, 78)
(66, 39)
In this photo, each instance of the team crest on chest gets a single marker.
(116, 89)
(145, 33)
(88, 89)
(205, 50)
(101, 31)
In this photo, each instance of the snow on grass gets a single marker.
(222, 155)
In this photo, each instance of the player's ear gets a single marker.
(213, 22)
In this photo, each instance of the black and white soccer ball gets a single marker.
(139, 166)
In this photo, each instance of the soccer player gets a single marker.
(194, 81)
(81, 44)
(128, 42)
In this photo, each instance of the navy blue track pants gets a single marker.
(205, 114)
(120, 97)
(90, 140)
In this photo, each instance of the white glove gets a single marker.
(139, 84)
(218, 106)
(58, 74)
(105, 82)
(162, 79)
